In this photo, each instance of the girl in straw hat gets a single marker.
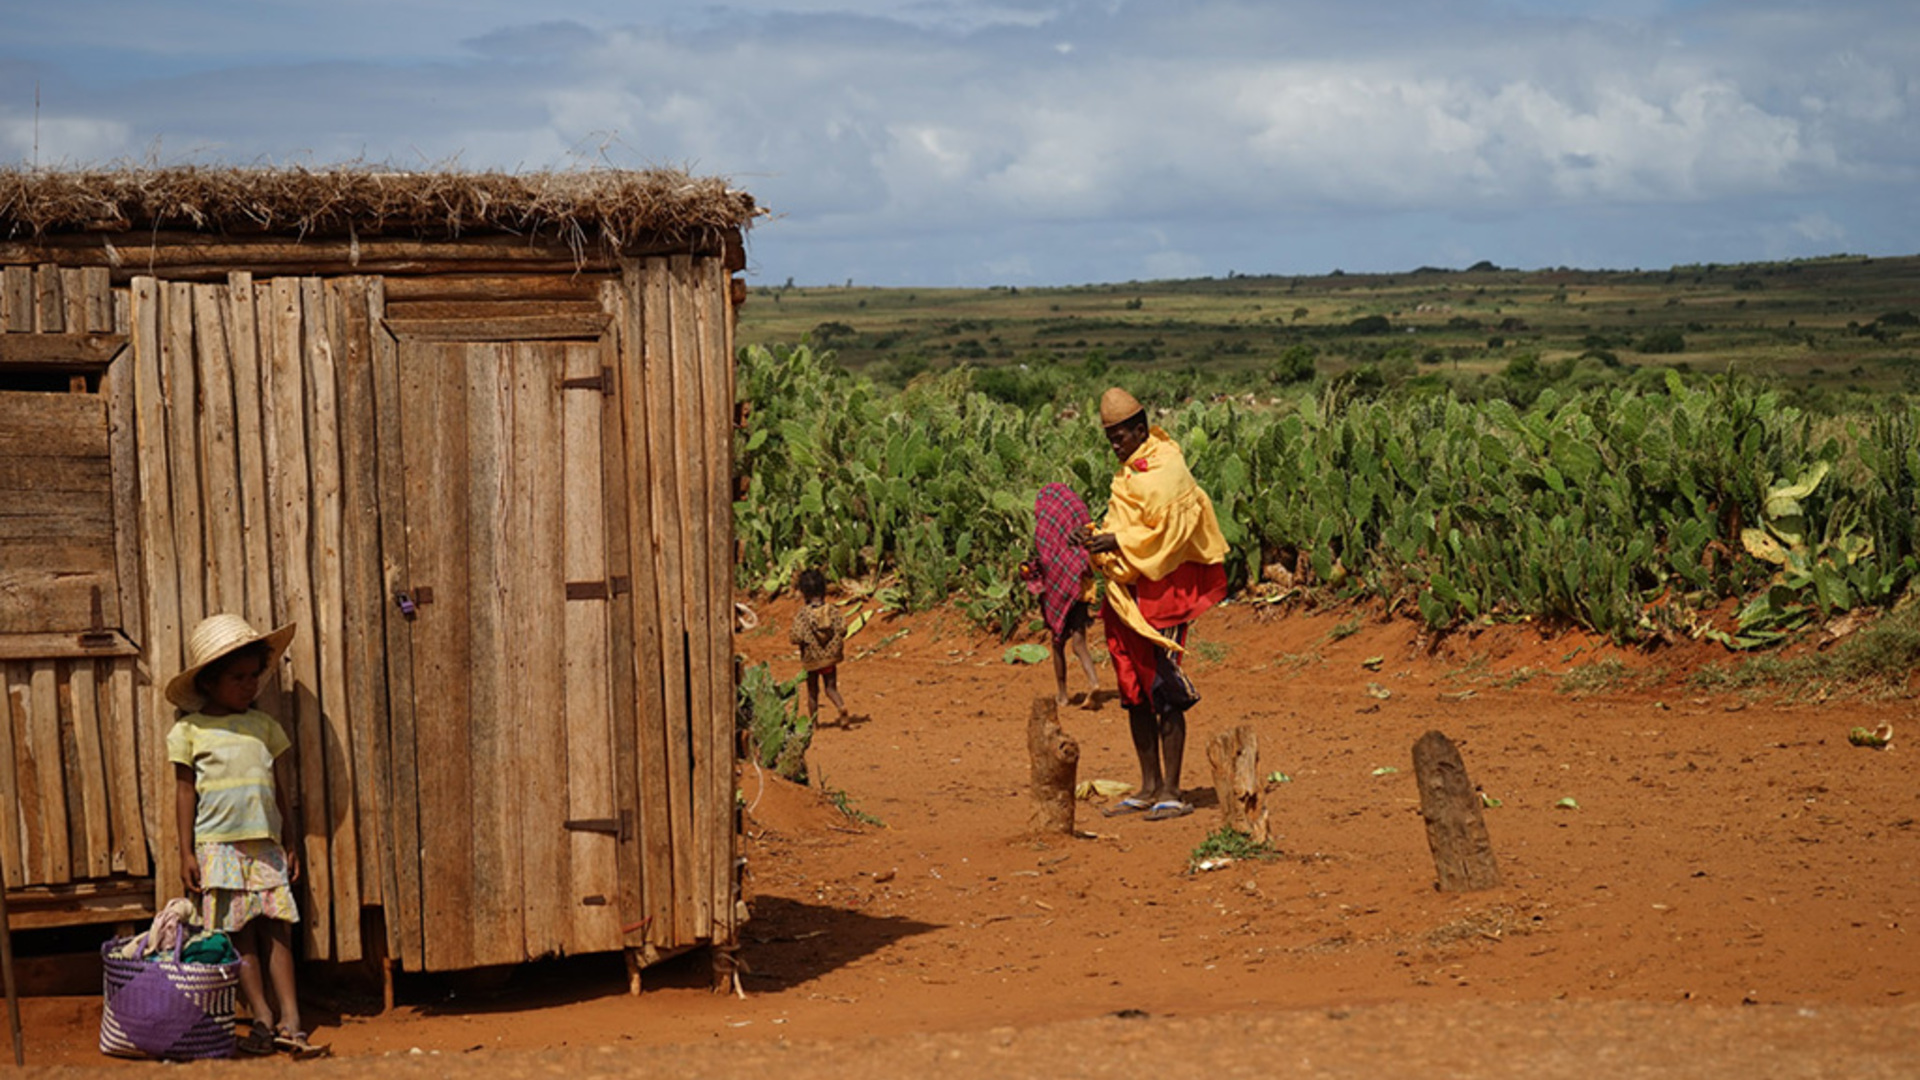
(233, 817)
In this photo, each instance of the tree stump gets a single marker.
(1456, 829)
(1056, 760)
(1235, 756)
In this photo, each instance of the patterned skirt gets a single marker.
(244, 880)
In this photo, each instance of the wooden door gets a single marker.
(511, 732)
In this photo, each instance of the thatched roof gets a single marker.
(615, 208)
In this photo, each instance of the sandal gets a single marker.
(294, 1044)
(1128, 805)
(258, 1040)
(1171, 808)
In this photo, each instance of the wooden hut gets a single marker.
(474, 434)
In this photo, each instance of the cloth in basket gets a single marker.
(162, 1007)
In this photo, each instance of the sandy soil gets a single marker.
(1736, 884)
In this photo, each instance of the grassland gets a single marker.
(1841, 324)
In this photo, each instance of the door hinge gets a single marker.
(602, 382)
(620, 828)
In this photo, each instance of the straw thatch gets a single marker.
(614, 208)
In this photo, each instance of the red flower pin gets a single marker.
(1139, 464)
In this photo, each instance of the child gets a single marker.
(1063, 578)
(822, 638)
(233, 816)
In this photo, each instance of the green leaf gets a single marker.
(1566, 804)
(1026, 653)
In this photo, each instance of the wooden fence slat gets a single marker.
(117, 717)
(690, 483)
(252, 453)
(499, 929)
(97, 287)
(164, 643)
(293, 536)
(225, 588)
(589, 762)
(321, 307)
(400, 798)
(49, 300)
(362, 604)
(16, 299)
(73, 299)
(634, 641)
(178, 368)
(53, 857)
(125, 607)
(13, 803)
(434, 394)
(670, 578)
(714, 317)
(89, 768)
(536, 571)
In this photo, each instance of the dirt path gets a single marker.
(1736, 876)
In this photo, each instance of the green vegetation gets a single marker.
(1546, 477)
(769, 712)
(1225, 843)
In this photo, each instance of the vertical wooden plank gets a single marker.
(537, 573)
(400, 797)
(714, 319)
(50, 861)
(117, 718)
(592, 859)
(293, 535)
(320, 306)
(123, 609)
(219, 457)
(88, 772)
(73, 299)
(163, 647)
(182, 390)
(13, 803)
(670, 580)
(49, 300)
(96, 286)
(634, 645)
(434, 392)
(252, 454)
(16, 299)
(362, 605)
(689, 489)
(499, 931)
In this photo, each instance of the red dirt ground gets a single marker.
(1727, 850)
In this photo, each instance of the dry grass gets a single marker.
(614, 208)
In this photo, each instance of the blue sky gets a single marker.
(1034, 142)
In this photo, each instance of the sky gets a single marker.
(1056, 142)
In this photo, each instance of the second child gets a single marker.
(822, 635)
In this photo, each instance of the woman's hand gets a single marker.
(190, 871)
(293, 862)
(1096, 543)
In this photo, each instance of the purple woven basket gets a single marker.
(162, 1008)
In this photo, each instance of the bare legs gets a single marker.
(268, 944)
(1078, 639)
(1161, 743)
(831, 678)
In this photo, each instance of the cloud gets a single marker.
(977, 128)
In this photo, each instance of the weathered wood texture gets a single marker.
(1235, 757)
(541, 760)
(1054, 761)
(1456, 829)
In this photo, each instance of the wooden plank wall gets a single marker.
(70, 764)
(242, 451)
(677, 385)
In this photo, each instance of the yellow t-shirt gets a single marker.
(232, 762)
(1161, 520)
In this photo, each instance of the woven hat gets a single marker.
(215, 637)
(1116, 405)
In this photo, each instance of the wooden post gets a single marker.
(6, 969)
(1235, 756)
(1456, 831)
(1056, 758)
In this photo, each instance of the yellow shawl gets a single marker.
(1162, 520)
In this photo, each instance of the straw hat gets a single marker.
(215, 637)
(1116, 406)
